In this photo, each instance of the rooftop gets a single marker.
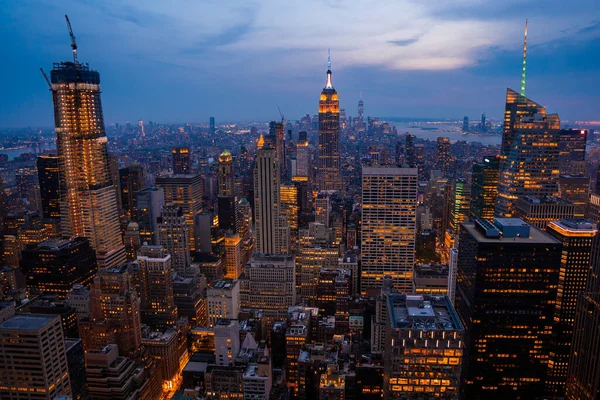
(535, 236)
(30, 322)
(544, 200)
(422, 312)
(579, 225)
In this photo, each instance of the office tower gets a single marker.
(400, 158)
(49, 181)
(244, 226)
(55, 265)
(234, 256)
(212, 125)
(425, 338)
(223, 300)
(583, 379)
(361, 109)
(539, 211)
(174, 237)
(227, 212)
(328, 173)
(115, 311)
(465, 125)
(182, 163)
(164, 346)
(272, 236)
(303, 166)
(389, 197)
(484, 188)
(88, 199)
(431, 279)
(507, 305)
(593, 211)
(483, 126)
(226, 174)
(158, 308)
(576, 190)
(113, 376)
(149, 203)
(576, 236)
(132, 240)
(76, 366)
(33, 359)
(227, 341)
(290, 210)
(79, 298)
(572, 151)
(323, 208)
(276, 132)
(185, 191)
(444, 158)
(271, 285)
(529, 153)
(333, 296)
(379, 322)
(411, 159)
(131, 180)
(312, 258)
(27, 188)
(189, 296)
(461, 203)
(49, 305)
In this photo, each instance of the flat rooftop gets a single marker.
(422, 312)
(31, 322)
(536, 236)
(544, 200)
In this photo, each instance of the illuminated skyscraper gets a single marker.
(484, 188)
(226, 174)
(272, 231)
(49, 179)
(174, 237)
(507, 282)
(88, 200)
(212, 125)
(572, 151)
(576, 236)
(182, 163)
(289, 196)
(389, 198)
(539, 211)
(328, 174)
(303, 167)
(461, 203)
(444, 159)
(529, 154)
(575, 189)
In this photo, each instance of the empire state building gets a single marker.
(328, 172)
(88, 199)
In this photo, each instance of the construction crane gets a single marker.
(46, 78)
(73, 42)
(280, 113)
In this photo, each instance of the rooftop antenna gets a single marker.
(329, 59)
(73, 42)
(523, 73)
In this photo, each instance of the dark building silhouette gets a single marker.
(131, 180)
(484, 188)
(49, 180)
(181, 160)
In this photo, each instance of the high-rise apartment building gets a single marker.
(55, 265)
(88, 199)
(507, 282)
(272, 235)
(185, 191)
(234, 256)
(328, 173)
(484, 188)
(149, 203)
(576, 236)
(49, 180)
(33, 359)
(182, 163)
(389, 199)
(223, 300)
(444, 158)
(158, 309)
(131, 180)
(423, 348)
(174, 237)
(529, 153)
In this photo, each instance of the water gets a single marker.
(12, 153)
(451, 131)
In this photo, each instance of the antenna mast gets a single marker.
(73, 42)
(523, 73)
(329, 59)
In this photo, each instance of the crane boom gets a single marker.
(73, 42)
(46, 78)
(281, 114)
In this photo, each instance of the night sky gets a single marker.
(186, 60)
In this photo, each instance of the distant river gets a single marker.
(12, 153)
(451, 131)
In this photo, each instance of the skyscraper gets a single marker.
(507, 282)
(212, 125)
(149, 202)
(182, 163)
(461, 203)
(174, 237)
(411, 158)
(272, 236)
(465, 127)
(226, 174)
(49, 179)
(444, 159)
(576, 236)
(88, 200)
(484, 188)
(389, 198)
(328, 174)
(303, 167)
(572, 151)
(131, 180)
(529, 153)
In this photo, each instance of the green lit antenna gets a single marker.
(524, 72)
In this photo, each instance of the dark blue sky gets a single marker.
(185, 60)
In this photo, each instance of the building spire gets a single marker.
(329, 59)
(329, 83)
(523, 73)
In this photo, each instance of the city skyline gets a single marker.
(442, 55)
